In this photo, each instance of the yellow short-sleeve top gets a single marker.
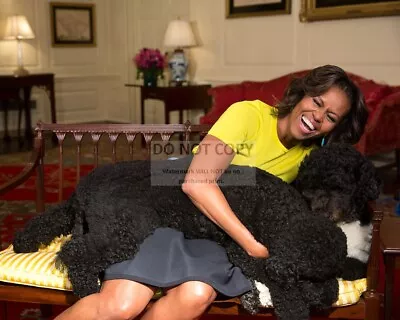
(250, 129)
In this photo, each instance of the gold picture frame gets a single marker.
(249, 8)
(73, 24)
(316, 10)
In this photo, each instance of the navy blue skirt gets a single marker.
(167, 259)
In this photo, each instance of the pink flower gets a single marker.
(149, 59)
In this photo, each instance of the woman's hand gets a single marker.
(201, 187)
(258, 251)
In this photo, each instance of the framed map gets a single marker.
(247, 8)
(72, 24)
(313, 10)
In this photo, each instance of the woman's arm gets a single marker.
(200, 185)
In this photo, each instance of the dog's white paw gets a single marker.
(358, 239)
(264, 294)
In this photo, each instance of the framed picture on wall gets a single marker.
(314, 10)
(248, 8)
(72, 24)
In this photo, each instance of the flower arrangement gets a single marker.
(150, 63)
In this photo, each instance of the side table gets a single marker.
(10, 87)
(180, 98)
(390, 246)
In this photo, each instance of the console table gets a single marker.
(180, 98)
(10, 87)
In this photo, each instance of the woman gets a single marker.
(322, 107)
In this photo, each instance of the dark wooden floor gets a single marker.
(14, 145)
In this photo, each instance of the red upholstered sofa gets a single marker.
(382, 133)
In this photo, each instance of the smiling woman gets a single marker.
(316, 117)
(327, 105)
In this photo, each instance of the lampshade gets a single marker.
(179, 34)
(17, 27)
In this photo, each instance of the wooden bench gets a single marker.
(367, 308)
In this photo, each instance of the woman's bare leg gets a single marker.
(187, 301)
(118, 299)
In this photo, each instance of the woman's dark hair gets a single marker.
(317, 82)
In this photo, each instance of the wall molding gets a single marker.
(84, 77)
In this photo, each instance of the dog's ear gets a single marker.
(369, 184)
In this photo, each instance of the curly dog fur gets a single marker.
(116, 207)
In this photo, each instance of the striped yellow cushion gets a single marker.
(35, 269)
(38, 269)
(350, 291)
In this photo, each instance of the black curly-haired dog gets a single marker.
(343, 197)
(117, 206)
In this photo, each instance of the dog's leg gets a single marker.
(288, 302)
(354, 269)
(107, 242)
(86, 257)
(251, 300)
(281, 269)
(81, 263)
(253, 269)
(56, 221)
(320, 294)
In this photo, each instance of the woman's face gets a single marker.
(314, 116)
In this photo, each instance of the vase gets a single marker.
(150, 79)
(178, 65)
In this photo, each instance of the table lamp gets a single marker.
(18, 28)
(179, 35)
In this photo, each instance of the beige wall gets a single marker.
(260, 48)
(148, 20)
(90, 81)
